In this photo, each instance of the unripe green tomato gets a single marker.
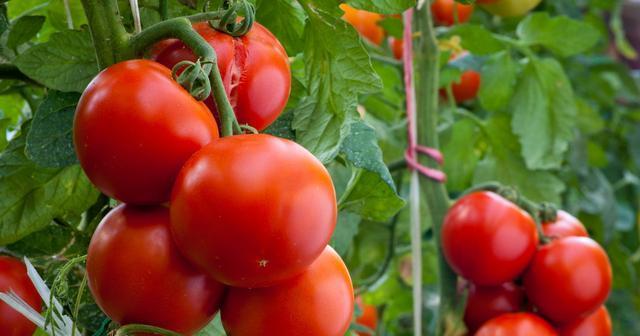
(511, 8)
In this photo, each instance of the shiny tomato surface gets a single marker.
(14, 278)
(595, 324)
(318, 302)
(565, 225)
(253, 210)
(517, 324)
(485, 303)
(135, 127)
(136, 274)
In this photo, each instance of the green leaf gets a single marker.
(58, 15)
(23, 30)
(337, 70)
(31, 196)
(382, 6)
(458, 146)
(346, 229)
(214, 328)
(562, 35)
(477, 39)
(50, 241)
(504, 164)
(66, 62)
(544, 114)
(50, 140)
(285, 19)
(498, 81)
(372, 192)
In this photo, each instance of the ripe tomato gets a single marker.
(137, 275)
(369, 317)
(13, 278)
(443, 12)
(564, 226)
(485, 303)
(468, 87)
(518, 324)
(396, 47)
(596, 324)
(135, 127)
(510, 8)
(487, 239)
(366, 23)
(318, 302)
(254, 69)
(568, 278)
(253, 210)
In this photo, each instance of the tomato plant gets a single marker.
(170, 293)
(318, 302)
(568, 278)
(520, 324)
(449, 12)
(487, 239)
(13, 277)
(124, 99)
(254, 69)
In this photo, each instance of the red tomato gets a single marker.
(369, 317)
(137, 275)
(13, 278)
(518, 324)
(318, 302)
(443, 12)
(254, 69)
(565, 225)
(366, 23)
(396, 47)
(568, 278)
(253, 210)
(135, 127)
(596, 324)
(468, 87)
(485, 303)
(487, 239)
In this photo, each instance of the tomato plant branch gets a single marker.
(107, 31)
(181, 28)
(163, 9)
(10, 71)
(427, 72)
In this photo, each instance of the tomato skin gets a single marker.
(487, 239)
(396, 47)
(253, 210)
(137, 275)
(510, 8)
(517, 324)
(366, 23)
(254, 68)
(318, 302)
(596, 324)
(369, 317)
(564, 226)
(468, 87)
(485, 303)
(568, 278)
(443, 12)
(135, 127)
(13, 277)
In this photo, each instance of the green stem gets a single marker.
(435, 193)
(181, 28)
(9, 71)
(133, 329)
(207, 16)
(163, 9)
(108, 34)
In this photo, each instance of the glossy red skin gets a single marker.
(568, 278)
(318, 302)
(135, 127)
(468, 87)
(366, 23)
(518, 324)
(443, 12)
(137, 275)
(254, 69)
(596, 324)
(396, 47)
(369, 317)
(564, 226)
(253, 210)
(13, 277)
(485, 303)
(487, 239)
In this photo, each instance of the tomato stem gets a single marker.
(163, 9)
(107, 31)
(133, 329)
(426, 59)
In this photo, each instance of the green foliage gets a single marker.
(23, 30)
(382, 6)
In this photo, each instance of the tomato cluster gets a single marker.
(517, 286)
(238, 224)
(13, 278)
